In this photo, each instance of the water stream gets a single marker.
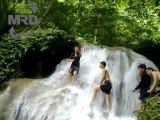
(53, 99)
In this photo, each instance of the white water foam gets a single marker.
(53, 99)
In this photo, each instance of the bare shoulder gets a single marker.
(105, 71)
(154, 73)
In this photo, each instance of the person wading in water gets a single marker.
(75, 66)
(105, 86)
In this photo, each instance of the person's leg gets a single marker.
(140, 105)
(142, 97)
(143, 93)
(107, 99)
(74, 77)
(95, 90)
(75, 74)
(70, 74)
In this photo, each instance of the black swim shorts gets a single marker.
(143, 94)
(74, 68)
(106, 87)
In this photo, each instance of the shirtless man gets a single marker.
(105, 86)
(156, 79)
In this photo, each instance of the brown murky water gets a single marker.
(14, 89)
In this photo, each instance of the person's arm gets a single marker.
(71, 59)
(78, 55)
(103, 77)
(138, 86)
(155, 81)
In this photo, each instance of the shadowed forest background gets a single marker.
(134, 24)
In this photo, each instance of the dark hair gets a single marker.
(150, 68)
(142, 66)
(103, 63)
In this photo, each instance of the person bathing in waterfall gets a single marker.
(74, 68)
(156, 79)
(105, 86)
(144, 85)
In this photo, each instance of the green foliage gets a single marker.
(129, 23)
(113, 23)
(110, 23)
(151, 109)
(12, 49)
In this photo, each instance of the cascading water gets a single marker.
(53, 99)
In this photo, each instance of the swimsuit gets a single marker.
(76, 63)
(74, 68)
(106, 87)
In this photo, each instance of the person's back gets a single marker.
(158, 76)
(105, 75)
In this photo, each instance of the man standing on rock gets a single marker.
(105, 86)
(74, 69)
(144, 85)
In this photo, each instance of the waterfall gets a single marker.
(54, 99)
